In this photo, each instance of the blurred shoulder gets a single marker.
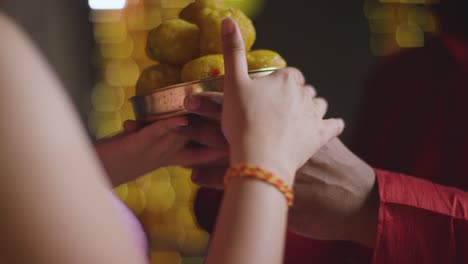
(10, 31)
(6, 23)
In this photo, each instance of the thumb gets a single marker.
(235, 59)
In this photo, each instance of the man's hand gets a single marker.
(335, 197)
(141, 149)
(335, 191)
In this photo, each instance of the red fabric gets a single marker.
(413, 120)
(420, 222)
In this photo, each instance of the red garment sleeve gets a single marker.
(420, 222)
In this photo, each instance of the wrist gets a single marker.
(276, 166)
(337, 170)
(255, 172)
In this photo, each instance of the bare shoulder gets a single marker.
(6, 23)
(13, 39)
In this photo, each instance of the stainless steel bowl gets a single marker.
(169, 101)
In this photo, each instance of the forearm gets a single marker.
(251, 225)
(55, 202)
(118, 161)
(345, 194)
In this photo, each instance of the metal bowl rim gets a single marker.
(206, 80)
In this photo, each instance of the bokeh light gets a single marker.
(107, 4)
(396, 24)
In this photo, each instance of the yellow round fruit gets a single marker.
(204, 67)
(259, 59)
(157, 76)
(195, 11)
(175, 41)
(210, 28)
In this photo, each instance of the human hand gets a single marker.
(275, 121)
(141, 149)
(208, 105)
(336, 197)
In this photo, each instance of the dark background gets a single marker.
(327, 40)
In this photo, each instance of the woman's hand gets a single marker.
(141, 149)
(274, 122)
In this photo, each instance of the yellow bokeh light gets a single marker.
(139, 40)
(160, 197)
(107, 98)
(423, 18)
(97, 120)
(250, 7)
(106, 16)
(144, 182)
(136, 199)
(161, 175)
(179, 171)
(169, 13)
(180, 216)
(174, 3)
(126, 112)
(143, 18)
(129, 92)
(121, 192)
(165, 257)
(144, 63)
(383, 44)
(114, 32)
(119, 50)
(183, 189)
(108, 129)
(195, 243)
(410, 36)
(193, 261)
(383, 26)
(148, 220)
(166, 237)
(122, 72)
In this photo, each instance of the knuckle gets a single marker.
(291, 74)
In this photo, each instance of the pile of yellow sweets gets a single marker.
(189, 48)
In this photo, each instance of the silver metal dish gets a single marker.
(169, 101)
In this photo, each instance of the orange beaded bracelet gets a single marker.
(251, 171)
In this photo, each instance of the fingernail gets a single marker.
(192, 103)
(227, 27)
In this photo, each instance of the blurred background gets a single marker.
(97, 49)
(334, 42)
